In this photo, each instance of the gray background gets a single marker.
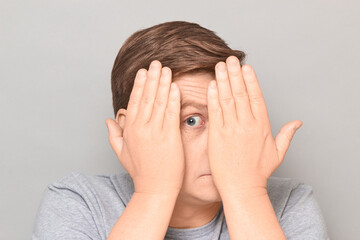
(56, 59)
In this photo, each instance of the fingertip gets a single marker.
(301, 123)
(247, 68)
(141, 72)
(166, 71)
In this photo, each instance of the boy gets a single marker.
(184, 179)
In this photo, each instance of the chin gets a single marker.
(208, 196)
(203, 190)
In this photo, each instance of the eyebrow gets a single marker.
(193, 104)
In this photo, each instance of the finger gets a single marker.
(117, 144)
(257, 101)
(161, 100)
(172, 114)
(239, 90)
(214, 109)
(135, 96)
(149, 94)
(285, 136)
(225, 96)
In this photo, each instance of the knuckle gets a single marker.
(240, 94)
(257, 98)
(289, 137)
(133, 102)
(147, 99)
(248, 129)
(160, 102)
(215, 113)
(171, 114)
(234, 74)
(227, 100)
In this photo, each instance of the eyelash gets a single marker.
(201, 125)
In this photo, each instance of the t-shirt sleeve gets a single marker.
(302, 217)
(63, 214)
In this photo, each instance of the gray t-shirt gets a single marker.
(80, 206)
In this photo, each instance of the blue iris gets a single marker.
(191, 120)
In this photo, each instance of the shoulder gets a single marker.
(296, 208)
(280, 189)
(82, 203)
(77, 179)
(117, 185)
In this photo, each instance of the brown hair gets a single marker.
(182, 46)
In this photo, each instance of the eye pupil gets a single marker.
(193, 120)
(190, 120)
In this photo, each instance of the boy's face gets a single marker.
(194, 125)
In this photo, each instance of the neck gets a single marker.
(187, 215)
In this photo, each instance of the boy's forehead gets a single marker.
(195, 104)
(193, 89)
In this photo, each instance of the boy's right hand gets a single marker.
(150, 146)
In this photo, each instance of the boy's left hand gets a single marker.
(242, 151)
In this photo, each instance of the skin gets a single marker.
(231, 139)
(198, 201)
(242, 152)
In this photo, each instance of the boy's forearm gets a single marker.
(251, 217)
(146, 216)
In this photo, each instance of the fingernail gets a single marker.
(221, 67)
(165, 71)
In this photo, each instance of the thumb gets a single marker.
(284, 137)
(115, 136)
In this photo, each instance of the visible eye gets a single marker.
(192, 120)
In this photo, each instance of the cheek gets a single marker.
(195, 150)
(188, 138)
(194, 141)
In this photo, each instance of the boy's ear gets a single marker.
(121, 117)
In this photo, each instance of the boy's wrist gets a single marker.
(170, 195)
